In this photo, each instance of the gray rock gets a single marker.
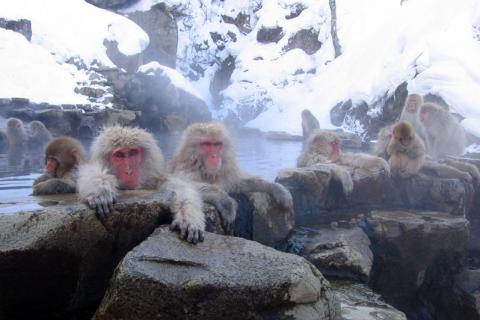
(221, 79)
(307, 40)
(22, 26)
(416, 256)
(464, 300)
(241, 21)
(320, 199)
(221, 278)
(340, 252)
(161, 28)
(111, 4)
(270, 34)
(57, 258)
(359, 302)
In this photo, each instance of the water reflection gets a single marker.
(255, 155)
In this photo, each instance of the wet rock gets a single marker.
(319, 198)
(307, 40)
(464, 301)
(340, 252)
(163, 104)
(58, 258)
(161, 28)
(241, 21)
(22, 26)
(221, 79)
(270, 34)
(221, 278)
(359, 302)
(416, 257)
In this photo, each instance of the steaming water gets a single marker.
(255, 155)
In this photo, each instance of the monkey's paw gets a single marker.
(228, 212)
(188, 231)
(283, 197)
(102, 204)
(465, 176)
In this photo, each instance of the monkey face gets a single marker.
(425, 114)
(51, 165)
(327, 144)
(126, 163)
(211, 151)
(412, 104)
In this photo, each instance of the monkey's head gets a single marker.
(324, 143)
(306, 114)
(431, 112)
(62, 154)
(37, 127)
(131, 154)
(413, 102)
(404, 133)
(206, 149)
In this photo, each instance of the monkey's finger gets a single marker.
(200, 236)
(192, 236)
(100, 211)
(106, 209)
(183, 233)
(110, 207)
(91, 202)
(173, 226)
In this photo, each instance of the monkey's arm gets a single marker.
(43, 177)
(446, 171)
(186, 206)
(464, 167)
(226, 206)
(361, 160)
(54, 186)
(255, 184)
(341, 174)
(97, 187)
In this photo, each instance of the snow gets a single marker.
(434, 47)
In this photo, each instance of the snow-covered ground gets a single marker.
(434, 45)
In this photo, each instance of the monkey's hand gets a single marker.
(227, 207)
(282, 196)
(344, 177)
(188, 231)
(102, 203)
(54, 186)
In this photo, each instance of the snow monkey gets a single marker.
(206, 155)
(406, 150)
(411, 113)
(384, 136)
(309, 123)
(128, 158)
(16, 134)
(445, 136)
(38, 134)
(323, 147)
(62, 157)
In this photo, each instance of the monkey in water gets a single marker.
(323, 147)
(206, 155)
(309, 123)
(62, 157)
(127, 159)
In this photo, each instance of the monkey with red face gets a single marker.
(127, 159)
(206, 155)
(323, 147)
(62, 157)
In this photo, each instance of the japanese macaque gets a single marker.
(206, 155)
(38, 135)
(444, 135)
(406, 151)
(323, 147)
(309, 123)
(411, 114)
(16, 134)
(128, 158)
(62, 157)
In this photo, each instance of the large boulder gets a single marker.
(56, 258)
(164, 99)
(22, 26)
(336, 252)
(221, 278)
(417, 255)
(161, 27)
(319, 198)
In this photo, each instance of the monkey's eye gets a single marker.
(133, 152)
(119, 154)
(218, 144)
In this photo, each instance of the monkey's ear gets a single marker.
(75, 154)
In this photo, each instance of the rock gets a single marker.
(161, 27)
(416, 255)
(464, 301)
(221, 79)
(112, 4)
(221, 278)
(129, 63)
(163, 106)
(270, 34)
(295, 10)
(307, 40)
(341, 253)
(320, 199)
(22, 26)
(57, 258)
(241, 21)
(359, 302)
